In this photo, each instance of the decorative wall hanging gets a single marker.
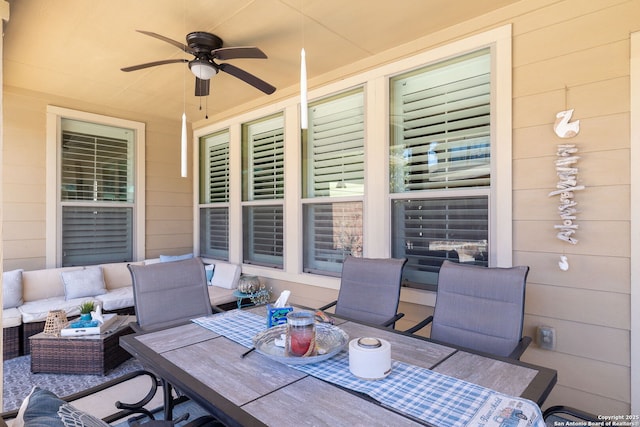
(567, 172)
(563, 128)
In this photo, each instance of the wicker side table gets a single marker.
(90, 354)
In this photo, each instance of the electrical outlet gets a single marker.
(546, 337)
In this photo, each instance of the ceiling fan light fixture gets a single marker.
(202, 69)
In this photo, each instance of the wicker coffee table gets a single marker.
(90, 354)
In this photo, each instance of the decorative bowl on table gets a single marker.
(248, 284)
(330, 340)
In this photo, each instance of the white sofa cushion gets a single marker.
(219, 296)
(225, 275)
(87, 282)
(12, 289)
(37, 311)
(11, 317)
(116, 299)
(169, 258)
(117, 275)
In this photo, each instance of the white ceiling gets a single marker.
(75, 48)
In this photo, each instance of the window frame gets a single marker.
(53, 183)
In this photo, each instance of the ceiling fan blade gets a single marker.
(225, 53)
(247, 78)
(153, 64)
(202, 87)
(177, 44)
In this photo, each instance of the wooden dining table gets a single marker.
(204, 360)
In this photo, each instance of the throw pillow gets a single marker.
(169, 258)
(44, 408)
(87, 282)
(226, 275)
(12, 289)
(208, 269)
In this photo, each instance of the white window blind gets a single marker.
(263, 235)
(333, 159)
(335, 147)
(265, 143)
(441, 141)
(96, 194)
(215, 173)
(214, 195)
(334, 231)
(263, 181)
(442, 119)
(95, 168)
(96, 235)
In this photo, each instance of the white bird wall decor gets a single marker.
(563, 128)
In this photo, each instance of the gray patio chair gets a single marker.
(45, 408)
(370, 290)
(168, 294)
(574, 414)
(480, 308)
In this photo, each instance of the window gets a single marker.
(95, 166)
(263, 191)
(440, 165)
(428, 137)
(333, 182)
(214, 195)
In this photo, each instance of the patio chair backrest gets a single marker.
(169, 293)
(480, 308)
(370, 289)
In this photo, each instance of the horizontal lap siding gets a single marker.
(575, 55)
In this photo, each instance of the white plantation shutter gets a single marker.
(266, 142)
(95, 168)
(263, 181)
(214, 196)
(334, 231)
(96, 235)
(96, 194)
(336, 146)
(334, 169)
(216, 168)
(264, 235)
(442, 123)
(441, 140)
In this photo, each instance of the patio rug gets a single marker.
(18, 380)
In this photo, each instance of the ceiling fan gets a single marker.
(206, 48)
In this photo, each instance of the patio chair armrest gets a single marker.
(391, 322)
(568, 410)
(331, 304)
(520, 348)
(420, 325)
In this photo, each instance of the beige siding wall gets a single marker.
(566, 54)
(575, 54)
(169, 214)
